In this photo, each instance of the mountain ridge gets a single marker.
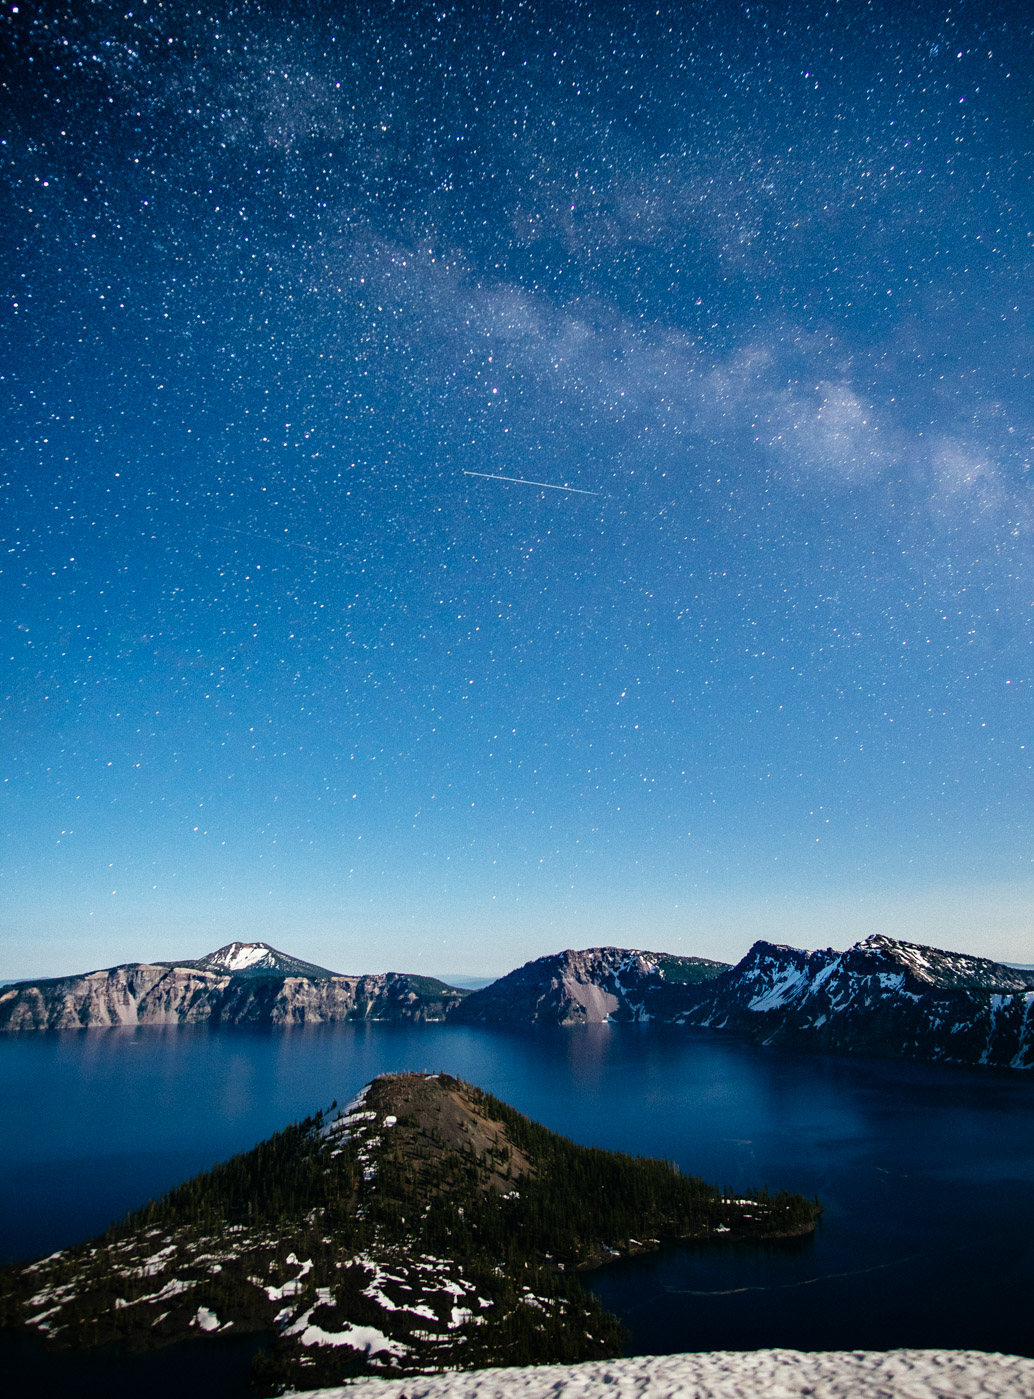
(882, 997)
(264, 986)
(588, 986)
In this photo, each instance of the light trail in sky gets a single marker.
(276, 539)
(522, 481)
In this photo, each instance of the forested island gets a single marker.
(428, 1226)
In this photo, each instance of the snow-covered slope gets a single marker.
(255, 959)
(589, 987)
(879, 997)
(761, 1374)
(948, 970)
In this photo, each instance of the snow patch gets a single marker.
(173, 1288)
(292, 1286)
(763, 1374)
(207, 1320)
(364, 1338)
(238, 956)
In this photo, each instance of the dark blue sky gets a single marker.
(758, 277)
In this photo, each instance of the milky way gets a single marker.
(752, 281)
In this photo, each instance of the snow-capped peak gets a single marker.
(256, 959)
(238, 956)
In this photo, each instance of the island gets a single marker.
(427, 1226)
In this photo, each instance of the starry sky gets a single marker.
(285, 286)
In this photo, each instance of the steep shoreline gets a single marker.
(881, 997)
(278, 990)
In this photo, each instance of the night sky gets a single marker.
(752, 281)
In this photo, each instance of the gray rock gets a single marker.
(589, 987)
(264, 989)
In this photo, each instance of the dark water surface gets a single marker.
(926, 1173)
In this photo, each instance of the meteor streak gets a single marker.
(276, 539)
(523, 481)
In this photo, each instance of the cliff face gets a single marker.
(143, 993)
(880, 997)
(589, 987)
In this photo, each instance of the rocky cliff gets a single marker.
(589, 987)
(262, 987)
(880, 997)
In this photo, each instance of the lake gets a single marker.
(926, 1173)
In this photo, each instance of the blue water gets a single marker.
(926, 1173)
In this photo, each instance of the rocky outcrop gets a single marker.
(880, 997)
(589, 987)
(146, 993)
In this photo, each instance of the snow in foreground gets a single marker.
(761, 1374)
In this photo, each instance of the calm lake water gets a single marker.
(926, 1173)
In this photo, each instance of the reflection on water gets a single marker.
(926, 1173)
(218, 1371)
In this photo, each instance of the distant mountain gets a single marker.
(430, 1227)
(880, 997)
(240, 984)
(254, 959)
(591, 986)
